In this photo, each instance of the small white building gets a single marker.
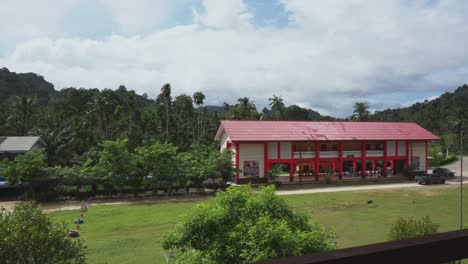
(12, 146)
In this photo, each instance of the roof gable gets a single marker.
(321, 131)
(20, 144)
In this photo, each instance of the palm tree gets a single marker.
(277, 107)
(22, 114)
(245, 109)
(165, 99)
(198, 98)
(361, 111)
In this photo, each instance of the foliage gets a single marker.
(409, 171)
(275, 171)
(409, 227)
(361, 112)
(439, 116)
(26, 168)
(277, 107)
(119, 163)
(241, 227)
(29, 236)
(22, 115)
(439, 160)
(160, 161)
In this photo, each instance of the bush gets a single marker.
(29, 236)
(409, 171)
(239, 226)
(448, 160)
(408, 227)
(439, 160)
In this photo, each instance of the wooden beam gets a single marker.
(437, 248)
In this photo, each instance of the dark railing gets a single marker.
(438, 248)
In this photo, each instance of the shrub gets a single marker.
(275, 171)
(239, 226)
(409, 227)
(409, 171)
(29, 236)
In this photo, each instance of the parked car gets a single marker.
(3, 182)
(430, 179)
(444, 172)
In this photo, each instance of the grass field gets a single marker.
(132, 233)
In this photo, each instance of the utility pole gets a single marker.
(461, 176)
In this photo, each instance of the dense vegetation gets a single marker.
(27, 235)
(241, 227)
(440, 116)
(75, 121)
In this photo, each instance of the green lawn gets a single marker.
(132, 233)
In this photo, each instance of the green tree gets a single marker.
(244, 110)
(183, 115)
(164, 101)
(409, 227)
(160, 161)
(21, 118)
(29, 236)
(239, 226)
(26, 168)
(277, 107)
(361, 111)
(198, 98)
(120, 164)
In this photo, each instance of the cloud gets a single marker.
(224, 14)
(332, 53)
(142, 16)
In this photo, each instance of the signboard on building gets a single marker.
(251, 168)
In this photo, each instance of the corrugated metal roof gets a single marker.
(19, 144)
(321, 131)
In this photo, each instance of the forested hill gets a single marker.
(440, 116)
(75, 121)
(24, 84)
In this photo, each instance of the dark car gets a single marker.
(444, 172)
(3, 182)
(430, 179)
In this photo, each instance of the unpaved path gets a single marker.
(74, 205)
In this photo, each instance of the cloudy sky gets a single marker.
(319, 54)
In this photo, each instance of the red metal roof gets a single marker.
(321, 131)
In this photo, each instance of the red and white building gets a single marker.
(324, 149)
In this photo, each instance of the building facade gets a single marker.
(325, 149)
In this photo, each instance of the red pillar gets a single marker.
(237, 159)
(291, 164)
(317, 161)
(279, 150)
(340, 160)
(407, 160)
(363, 160)
(385, 159)
(426, 157)
(265, 159)
(397, 151)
